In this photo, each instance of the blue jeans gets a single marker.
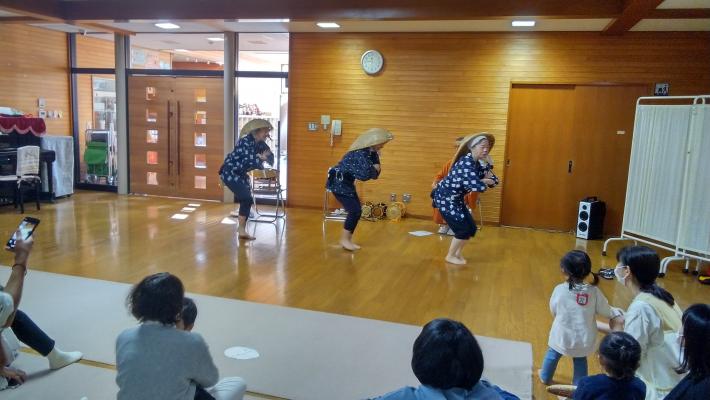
(549, 365)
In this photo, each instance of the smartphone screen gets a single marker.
(27, 226)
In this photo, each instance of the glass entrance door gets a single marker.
(176, 136)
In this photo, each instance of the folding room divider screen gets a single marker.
(668, 188)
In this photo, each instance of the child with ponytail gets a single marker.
(575, 305)
(619, 357)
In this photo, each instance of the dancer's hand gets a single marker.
(14, 374)
(489, 182)
(377, 167)
(264, 155)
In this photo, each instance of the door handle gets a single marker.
(569, 166)
(170, 161)
(507, 162)
(178, 138)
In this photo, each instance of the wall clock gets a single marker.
(372, 62)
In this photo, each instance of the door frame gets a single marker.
(550, 83)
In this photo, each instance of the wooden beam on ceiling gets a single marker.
(634, 11)
(20, 20)
(47, 10)
(680, 13)
(337, 10)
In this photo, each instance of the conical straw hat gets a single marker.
(464, 147)
(255, 124)
(371, 137)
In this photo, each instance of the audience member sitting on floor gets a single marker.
(619, 357)
(448, 362)
(695, 342)
(155, 360)
(188, 316)
(22, 326)
(653, 318)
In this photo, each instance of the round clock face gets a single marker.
(372, 62)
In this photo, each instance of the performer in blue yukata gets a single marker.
(472, 171)
(249, 154)
(361, 162)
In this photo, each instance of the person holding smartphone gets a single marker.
(22, 326)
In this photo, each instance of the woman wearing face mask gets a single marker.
(471, 172)
(696, 355)
(653, 319)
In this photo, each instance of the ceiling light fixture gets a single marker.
(180, 50)
(167, 25)
(328, 25)
(520, 24)
(215, 39)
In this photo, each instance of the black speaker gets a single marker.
(590, 218)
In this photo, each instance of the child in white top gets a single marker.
(574, 304)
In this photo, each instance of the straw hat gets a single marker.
(254, 125)
(371, 137)
(470, 141)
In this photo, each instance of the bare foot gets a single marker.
(455, 260)
(246, 237)
(350, 246)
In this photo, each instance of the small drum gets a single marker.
(396, 210)
(379, 211)
(367, 210)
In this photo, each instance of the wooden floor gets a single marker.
(503, 292)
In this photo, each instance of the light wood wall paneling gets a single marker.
(436, 87)
(35, 65)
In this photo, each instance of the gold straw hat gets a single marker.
(254, 125)
(465, 145)
(371, 137)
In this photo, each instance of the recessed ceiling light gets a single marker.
(167, 25)
(181, 50)
(327, 25)
(251, 20)
(215, 39)
(523, 23)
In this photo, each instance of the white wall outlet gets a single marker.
(337, 127)
(41, 102)
(312, 126)
(621, 132)
(325, 121)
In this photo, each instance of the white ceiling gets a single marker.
(685, 4)
(200, 41)
(4, 13)
(672, 24)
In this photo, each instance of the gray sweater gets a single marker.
(156, 361)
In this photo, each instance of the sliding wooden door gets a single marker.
(176, 136)
(567, 142)
(537, 184)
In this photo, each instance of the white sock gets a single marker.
(60, 359)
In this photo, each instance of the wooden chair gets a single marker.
(26, 175)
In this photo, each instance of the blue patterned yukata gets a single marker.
(465, 176)
(233, 172)
(356, 164)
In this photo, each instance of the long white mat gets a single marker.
(75, 382)
(303, 354)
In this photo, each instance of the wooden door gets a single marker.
(536, 191)
(176, 136)
(603, 129)
(199, 138)
(150, 107)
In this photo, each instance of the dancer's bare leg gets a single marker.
(454, 255)
(346, 240)
(242, 229)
